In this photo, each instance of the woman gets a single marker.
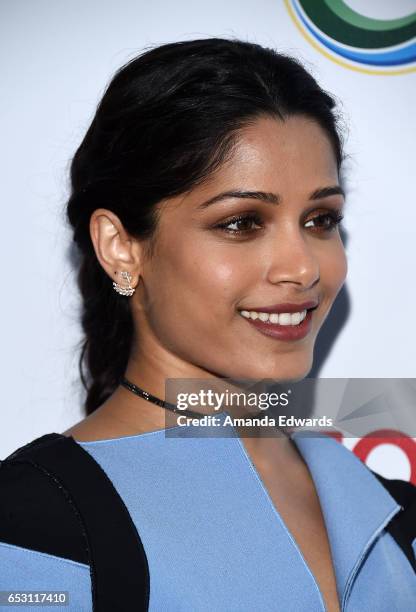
(205, 205)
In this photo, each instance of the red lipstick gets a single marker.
(286, 307)
(284, 332)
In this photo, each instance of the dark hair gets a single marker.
(168, 119)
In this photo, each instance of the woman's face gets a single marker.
(201, 276)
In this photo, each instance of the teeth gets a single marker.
(296, 318)
(284, 318)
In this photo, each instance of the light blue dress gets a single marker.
(214, 540)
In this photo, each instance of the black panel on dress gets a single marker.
(55, 498)
(402, 527)
(35, 513)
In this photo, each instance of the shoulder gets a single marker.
(34, 508)
(105, 423)
(41, 542)
(403, 491)
(57, 500)
(403, 525)
(96, 426)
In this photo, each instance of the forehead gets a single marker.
(293, 158)
(292, 153)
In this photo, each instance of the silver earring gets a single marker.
(129, 290)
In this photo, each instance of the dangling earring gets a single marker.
(129, 290)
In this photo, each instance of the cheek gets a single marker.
(197, 284)
(210, 272)
(222, 280)
(333, 270)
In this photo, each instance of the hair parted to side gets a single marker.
(168, 119)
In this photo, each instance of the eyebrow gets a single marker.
(270, 198)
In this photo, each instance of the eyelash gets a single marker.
(335, 217)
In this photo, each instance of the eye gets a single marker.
(325, 222)
(243, 222)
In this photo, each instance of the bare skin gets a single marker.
(293, 494)
(188, 292)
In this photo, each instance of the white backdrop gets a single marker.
(57, 59)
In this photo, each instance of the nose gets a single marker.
(293, 259)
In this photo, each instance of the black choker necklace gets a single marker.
(156, 400)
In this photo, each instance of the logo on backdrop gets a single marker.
(356, 40)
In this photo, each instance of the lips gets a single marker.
(284, 307)
(283, 332)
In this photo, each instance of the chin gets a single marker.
(288, 378)
(294, 370)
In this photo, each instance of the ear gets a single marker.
(115, 249)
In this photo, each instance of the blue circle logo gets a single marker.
(355, 41)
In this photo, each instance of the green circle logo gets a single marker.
(375, 46)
